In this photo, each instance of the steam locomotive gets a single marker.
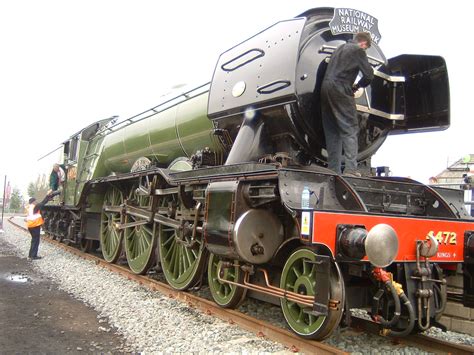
(230, 177)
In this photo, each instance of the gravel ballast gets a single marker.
(152, 322)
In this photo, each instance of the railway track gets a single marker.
(455, 297)
(259, 327)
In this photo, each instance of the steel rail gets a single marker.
(431, 344)
(455, 296)
(260, 328)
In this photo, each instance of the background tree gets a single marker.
(39, 188)
(31, 189)
(16, 201)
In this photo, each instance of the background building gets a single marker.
(454, 176)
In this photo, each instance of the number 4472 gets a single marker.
(444, 237)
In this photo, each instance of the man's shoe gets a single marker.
(29, 259)
(37, 257)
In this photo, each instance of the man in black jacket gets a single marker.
(340, 123)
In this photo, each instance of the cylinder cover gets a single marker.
(257, 235)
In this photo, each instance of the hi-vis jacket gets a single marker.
(33, 219)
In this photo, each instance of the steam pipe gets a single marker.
(398, 295)
(249, 144)
(411, 318)
(268, 284)
(272, 290)
(381, 275)
(396, 315)
(443, 297)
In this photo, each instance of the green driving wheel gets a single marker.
(299, 276)
(140, 241)
(182, 258)
(110, 236)
(224, 294)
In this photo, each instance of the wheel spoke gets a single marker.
(170, 250)
(222, 289)
(144, 241)
(300, 315)
(305, 268)
(227, 290)
(296, 271)
(168, 241)
(177, 263)
(148, 231)
(184, 258)
(188, 256)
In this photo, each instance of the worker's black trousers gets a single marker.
(35, 241)
(341, 126)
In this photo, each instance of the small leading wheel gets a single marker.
(110, 236)
(299, 276)
(48, 218)
(140, 241)
(224, 294)
(182, 258)
(88, 245)
(54, 225)
(59, 230)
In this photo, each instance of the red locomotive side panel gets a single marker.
(450, 234)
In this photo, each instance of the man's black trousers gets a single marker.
(35, 241)
(341, 126)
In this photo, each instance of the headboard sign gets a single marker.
(354, 21)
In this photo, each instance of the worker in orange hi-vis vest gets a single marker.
(34, 221)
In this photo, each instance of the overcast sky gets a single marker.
(65, 64)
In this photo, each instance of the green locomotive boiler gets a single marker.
(213, 178)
